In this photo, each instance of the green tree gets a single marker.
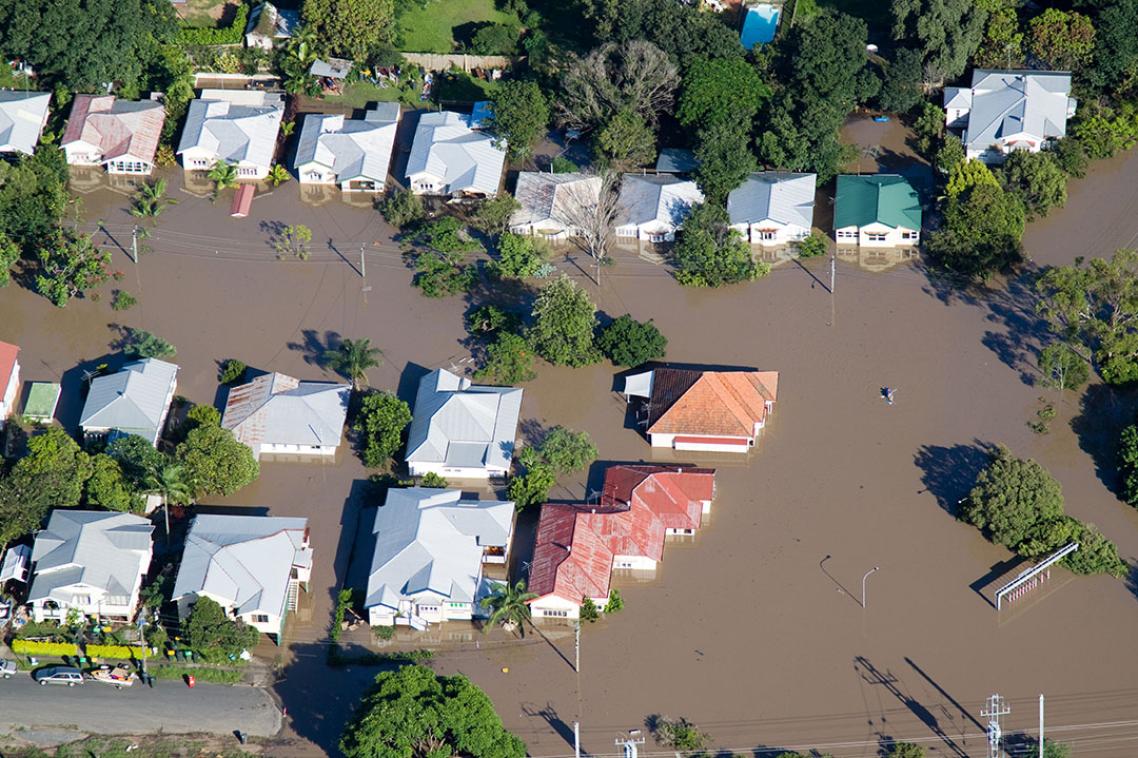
(626, 141)
(928, 127)
(1061, 40)
(488, 319)
(402, 208)
(443, 274)
(1037, 179)
(508, 606)
(678, 734)
(1012, 497)
(137, 458)
(950, 156)
(721, 91)
(981, 233)
(293, 241)
(565, 450)
(215, 463)
(223, 175)
(70, 265)
(905, 750)
(615, 602)
(350, 27)
(51, 475)
(151, 200)
(493, 215)
(564, 319)
(628, 342)
(520, 116)
(1128, 464)
(231, 371)
(495, 39)
(278, 174)
(589, 611)
(946, 32)
(1116, 47)
(509, 360)
(33, 198)
(1003, 40)
(1063, 368)
(725, 160)
(201, 415)
(902, 87)
(9, 254)
(434, 481)
(813, 246)
(380, 424)
(519, 257)
(711, 254)
(143, 344)
(532, 488)
(109, 488)
(966, 175)
(414, 712)
(214, 636)
(351, 359)
(1051, 749)
(1071, 155)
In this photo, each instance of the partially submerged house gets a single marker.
(772, 208)
(232, 126)
(1005, 111)
(430, 547)
(461, 430)
(708, 410)
(353, 153)
(89, 561)
(653, 208)
(579, 546)
(135, 400)
(448, 157)
(9, 380)
(876, 210)
(252, 566)
(269, 25)
(23, 116)
(276, 414)
(119, 135)
(554, 206)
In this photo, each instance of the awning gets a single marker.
(638, 385)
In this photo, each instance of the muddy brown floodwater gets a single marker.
(755, 631)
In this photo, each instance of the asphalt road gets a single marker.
(170, 707)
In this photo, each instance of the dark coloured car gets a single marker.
(68, 675)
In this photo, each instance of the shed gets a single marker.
(242, 201)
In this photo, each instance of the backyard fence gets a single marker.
(439, 62)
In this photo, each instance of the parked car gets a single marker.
(7, 668)
(68, 675)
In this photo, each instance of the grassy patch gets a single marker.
(201, 673)
(435, 27)
(359, 94)
(460, 87)
(207, 13)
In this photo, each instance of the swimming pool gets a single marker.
(760, 25)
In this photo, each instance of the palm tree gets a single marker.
(278, 174)
(151, 200)
(509, 606)
(223, 175)
(169, 480)
(352, 359)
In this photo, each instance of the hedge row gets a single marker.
(228, 35)
(60, 649)
(124, 652)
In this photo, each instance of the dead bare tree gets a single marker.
(635, 76)
(590, 210)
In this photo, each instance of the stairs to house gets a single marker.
(293, 594)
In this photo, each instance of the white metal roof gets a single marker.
(276, 409)
(234, 125)
(100, 549)
(133, 400)
(22, 116)
(662, 198)
(785, 198)
(1006, 103)
(463, 159)
(350, 148)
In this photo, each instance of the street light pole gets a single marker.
(867, 573)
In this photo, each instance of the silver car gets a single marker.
(7, 668)
(68, 675)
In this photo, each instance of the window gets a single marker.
(875, 236)
(555, 614)
(846, 235)
(908, 235)
(456, 605)
(428, 609)
(766, 235)
(260, 618)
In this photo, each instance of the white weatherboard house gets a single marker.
(9, 379)
(353, 153)
(232, 126)
(92, 561)
(772, 208)
(461, 430)
(252, 566)
(23, 115)
(430, 545)
(449, 158)
(1010, 110)
(276, 414)
(554, 205)
(135, 400)
(120, 135)
(653, 208)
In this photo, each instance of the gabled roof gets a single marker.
(569, 559)
(351, 148)
(772, 196)
(266, 20)
(234, 125)
(22, 116)
(116, 127)
(461, 424)
(465, 160)
(1005, 103)
(663, 198)
(675, 494)
(133, 400)
(554, 198)
(9, 354)
(100, 549)
(276, 409)
(876, 198)
(710, 403)
(243, 562)
(332, 68)
(432, 540)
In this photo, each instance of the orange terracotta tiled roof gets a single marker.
(713, 403)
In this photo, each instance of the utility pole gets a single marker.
(833, 271)
(1041, 753)
(577, 739)
(631, 743)
(867, 573)
(577, 646)
(363, 264)
(995, 708)
(134, 243)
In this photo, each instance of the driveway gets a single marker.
(170, 707)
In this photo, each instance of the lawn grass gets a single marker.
(206, 13)
(432, 28)
(460, 87)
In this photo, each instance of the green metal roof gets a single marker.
(42, 398)
(876, 198)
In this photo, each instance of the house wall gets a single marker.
(363, 184)
(129, 165)
(426, 184)
(865, 236)
(632, 562)
(955, 118)
(90, 601)
(653, 231)
(782, 233)
(419, 468)
(547, 230)
(742, 445)
(997, 153)
(554, 607)
(8, 401)
(315, 173)
(268, 449)
(197, 159)
(429, 608)
(265, 623)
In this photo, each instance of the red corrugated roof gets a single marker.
(242, 201)
(8, 355)
(674, 494)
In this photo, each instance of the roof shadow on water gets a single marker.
(949, 472)
(409, 379)
(74, 383)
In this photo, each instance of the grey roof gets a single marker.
(785, 198)
(351, 148)
(676, 160)
(663, 198)
(234, 125)
(465, 160)
(459, 424)
(102, 549)
(1012, 102)
(246, 561)
(333, 68)
(432, 540)
(283, 22)
(22, 116)
(957, 97)
(276, 409)
(556, 198)
(133, 400)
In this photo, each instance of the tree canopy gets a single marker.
(350, 27)
(946, 32)
(628, 342)
(720, 90)
(634, 77)
(1061, 40)
(520, 116)
(563, 322)
(215, 463)
(214, 636)
(710, 253)
(1011, 498)
(981, 234)
(380, 423)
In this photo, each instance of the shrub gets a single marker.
(628, 342)
(189, 36)
(679, 734)
(488, 319)
(46, 649)
(562, 165)
(565, 450)
(493, 215)
(495, 39)
(123, 301)
(343, 602)
(518, 257)
(509, 360)
(383, 632)
(402, 208)
(533, 488)
(1128, 464)
(615, 602)
(433, 480)
(143, 344)
(813, 246)
(589, 610)
(443, 274)
(231, 372)
(120, 652)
